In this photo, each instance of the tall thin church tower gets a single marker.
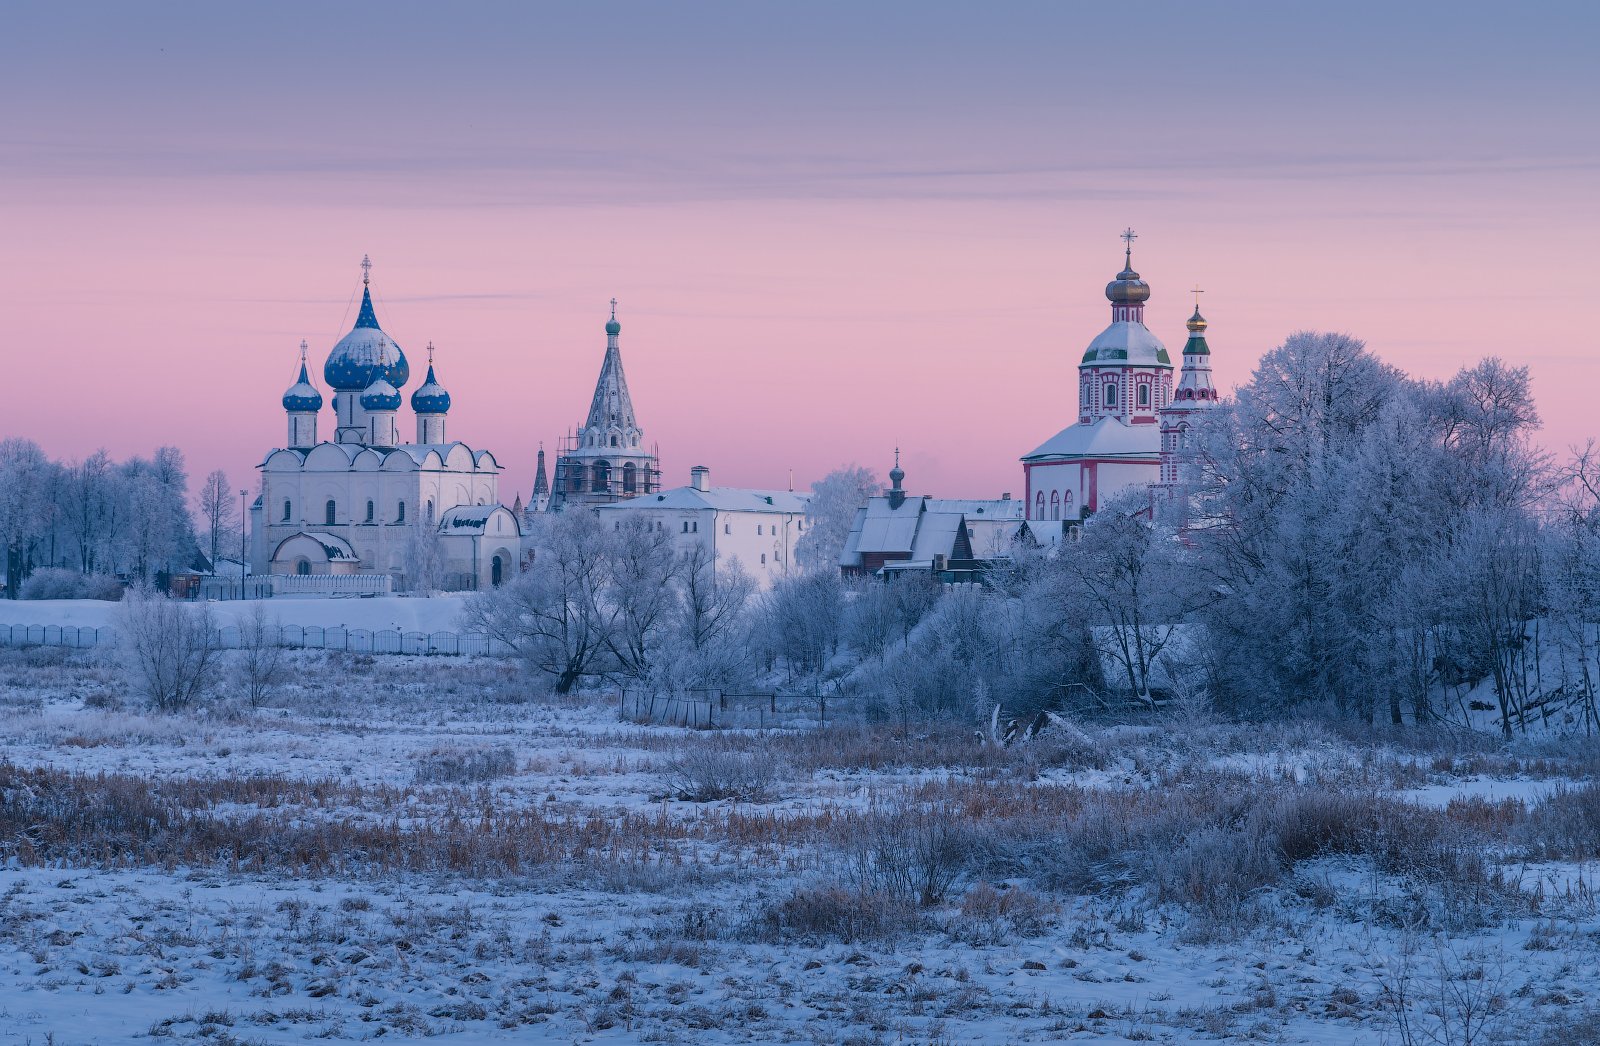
(606, 460)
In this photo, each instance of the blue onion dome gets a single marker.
(430, 398)
(612, 326)
(302, 395)
(366, 354)
(380, 395)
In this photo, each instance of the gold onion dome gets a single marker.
(1197, 322)
(1127, 288)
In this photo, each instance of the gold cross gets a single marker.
(1197, 292)
(366, 270)
(1128, 236)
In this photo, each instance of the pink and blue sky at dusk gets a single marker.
(832, 228)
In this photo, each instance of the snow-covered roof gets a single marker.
(336, 547)
(722, 499)
(417, 452)
(473, 519)
(1105, 438)
(1129, 343)
(926, 527)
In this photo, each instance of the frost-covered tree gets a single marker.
(219, 515)
(1124, 577)
(834, 500)
(24, 507)
(423, 559)
(171, 648)
(642, 586)
(800, 620)
(556, 615)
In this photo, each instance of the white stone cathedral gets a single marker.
(367, 502)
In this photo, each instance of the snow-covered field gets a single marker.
(397, 848)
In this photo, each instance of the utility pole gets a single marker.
(242, 560)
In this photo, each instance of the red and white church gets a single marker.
(1132, 423)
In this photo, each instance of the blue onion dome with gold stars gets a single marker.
(380, 395)
(302, 395)
(431, 397)
(366, 354)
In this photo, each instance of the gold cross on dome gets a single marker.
(366, 270)
(302, 350)
(613, 308)
(1128, 236)
(1197, 292)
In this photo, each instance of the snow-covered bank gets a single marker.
(401, 613)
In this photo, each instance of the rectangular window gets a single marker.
(727, 528)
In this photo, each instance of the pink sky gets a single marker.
(822, 247)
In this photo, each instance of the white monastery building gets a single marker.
(1132, 425)
(758, 528)
(368, 501)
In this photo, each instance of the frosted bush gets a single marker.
(465, 766)
(707, 774)
(59, 583)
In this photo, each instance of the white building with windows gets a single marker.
(758, 528)
(368, 502)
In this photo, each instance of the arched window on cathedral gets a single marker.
(430, 510)
(613, 439)
(630, 478)
(286, 510)
(1111, 395)
(371, 510)
(1055, 505)
(1038, 501)
(330, 513)
(1144, 394)
(602, 477)
(401, 516)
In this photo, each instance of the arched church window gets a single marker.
(602, 477)
(630, 478)
(430, 510)
(302, 567)
(1111, 395)
(1055, 505)
(330, 513)
(286, 510)
(1038, 501)
(1144, 394)
(1066, 499)
(371, 510)
(613, 440)
(401, 517)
